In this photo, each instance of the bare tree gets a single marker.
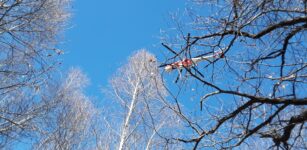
(68, 123)
(140, 114)
(255, 89)
(28, 34)
(29, 30)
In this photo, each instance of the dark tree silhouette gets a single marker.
(255, 95)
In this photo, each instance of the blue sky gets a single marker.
(102, 34)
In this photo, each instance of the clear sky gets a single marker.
(102, 34)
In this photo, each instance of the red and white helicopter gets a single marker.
(187, 63)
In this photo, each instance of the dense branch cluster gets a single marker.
(29, 30)
(35, 109)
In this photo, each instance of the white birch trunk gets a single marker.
(128, 117)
